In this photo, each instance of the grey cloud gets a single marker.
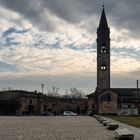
(14, 30)
(71, 11)
(122, 13)
(11, 41)
(125, 80)
(41, 42)
(126, 15)
(124, 51)
(32, 10)
(8, 41)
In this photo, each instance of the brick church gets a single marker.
(107, 100)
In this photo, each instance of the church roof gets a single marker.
(121, 92)
(126, 91)
(103, 21)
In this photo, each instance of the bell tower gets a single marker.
(103, 53)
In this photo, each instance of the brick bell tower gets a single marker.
(103, 54)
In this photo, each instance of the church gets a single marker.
(107, 100)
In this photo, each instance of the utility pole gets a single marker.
(137, 88)
(137, 82)
(42, 86)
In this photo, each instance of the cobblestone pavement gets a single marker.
(57, 128)
(53, 128)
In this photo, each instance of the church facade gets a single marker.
(107, 100)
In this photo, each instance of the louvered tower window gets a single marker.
(103, 49)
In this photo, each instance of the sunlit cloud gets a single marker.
(58, 39)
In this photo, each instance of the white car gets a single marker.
(69, 113)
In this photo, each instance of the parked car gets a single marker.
(47, 113)
(69, 113)
(90, 113)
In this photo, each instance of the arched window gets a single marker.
(103, 67)
(103, 49)
(30, 101)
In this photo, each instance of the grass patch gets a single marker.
(131, 120)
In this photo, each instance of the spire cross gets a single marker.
(103, 4)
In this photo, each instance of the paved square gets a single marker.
(53, 128)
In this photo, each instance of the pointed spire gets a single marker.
(103, 21)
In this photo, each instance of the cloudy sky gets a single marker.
(54, 42)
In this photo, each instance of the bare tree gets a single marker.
(54, 91)
(74, 93)
(77, 93)
(71, 93)
(7, 88)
